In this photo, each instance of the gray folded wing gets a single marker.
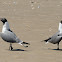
(55, 38)
(10, 37)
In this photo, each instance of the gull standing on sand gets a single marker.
(56, 38)
(9, 36)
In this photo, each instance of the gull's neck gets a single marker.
(5, 27)
(60, 27)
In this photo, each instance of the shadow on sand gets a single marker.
(17, 50)
(55, 49)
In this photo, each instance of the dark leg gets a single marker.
(10, 48)
(58, 46)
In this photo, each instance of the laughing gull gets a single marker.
(56, 38)
(9, 36)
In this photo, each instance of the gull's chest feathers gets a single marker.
(5, 27)
(60, 27)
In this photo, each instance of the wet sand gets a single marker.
(32, 21)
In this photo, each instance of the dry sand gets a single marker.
(32, 21)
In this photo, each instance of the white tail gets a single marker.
(46, 42)
(20, 42)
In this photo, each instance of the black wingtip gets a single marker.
(45, 40)
(26, 43)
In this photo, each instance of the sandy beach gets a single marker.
(32, 21)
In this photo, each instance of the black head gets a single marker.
(3, 20)
(61, 21)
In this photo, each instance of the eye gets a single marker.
(58, 35)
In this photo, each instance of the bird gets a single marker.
(57, 37)
(9, 36)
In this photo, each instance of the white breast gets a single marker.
(5, 27)
(60, 27)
